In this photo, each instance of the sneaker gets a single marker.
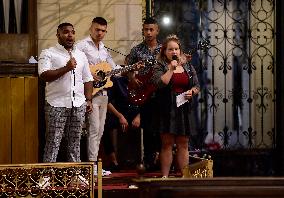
(106, 173)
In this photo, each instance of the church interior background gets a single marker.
(239, 119)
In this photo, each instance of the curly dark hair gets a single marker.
(63, 25)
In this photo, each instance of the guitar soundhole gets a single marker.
(102, 81)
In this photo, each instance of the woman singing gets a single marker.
(174, 75)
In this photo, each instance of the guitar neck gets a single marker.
(202, 45)
(121, 70)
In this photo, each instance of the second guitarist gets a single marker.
(148, 49)
(96, 53)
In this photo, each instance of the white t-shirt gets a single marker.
(69, 88)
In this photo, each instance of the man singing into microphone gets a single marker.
(68, 93)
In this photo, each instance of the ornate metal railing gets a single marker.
(47, 180)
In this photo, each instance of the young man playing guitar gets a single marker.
(146, 50)
(96, 53)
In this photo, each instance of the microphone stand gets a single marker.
(140, 168)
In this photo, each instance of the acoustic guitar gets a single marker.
(139, 95)
(104, 72)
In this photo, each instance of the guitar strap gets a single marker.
(115, 51)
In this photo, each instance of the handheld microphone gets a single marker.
(71, 56)
(174, 57)
(73, 70)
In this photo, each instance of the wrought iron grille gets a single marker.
(47, 180)
(236, 107)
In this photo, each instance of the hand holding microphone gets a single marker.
(71, 64)
(174, 62)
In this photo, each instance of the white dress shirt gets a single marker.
(96, 55)
(67, 90)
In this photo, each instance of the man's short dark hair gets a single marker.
(150, 20)
(99, 20)
(63, 25)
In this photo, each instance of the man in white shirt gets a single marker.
(96, 53)
(65, 69)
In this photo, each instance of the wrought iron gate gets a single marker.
(236, 108)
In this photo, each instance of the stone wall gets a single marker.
(124, 21)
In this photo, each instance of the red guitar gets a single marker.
(139, 95)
